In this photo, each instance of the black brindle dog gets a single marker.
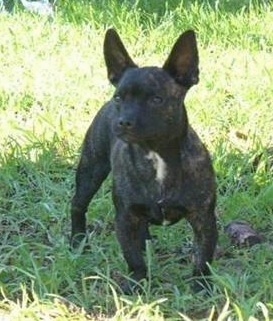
(161, 170)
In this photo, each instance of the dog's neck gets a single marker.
(164, 157)
(169, 148)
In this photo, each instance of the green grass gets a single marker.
(52, 82)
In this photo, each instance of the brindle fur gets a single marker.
(144, 125)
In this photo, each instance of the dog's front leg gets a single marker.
(132, 233)
(91, 172)
(205, 237)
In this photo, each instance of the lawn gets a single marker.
(52, 83)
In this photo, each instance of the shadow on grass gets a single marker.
(35, 188)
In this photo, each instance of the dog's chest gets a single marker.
(145, 179)
(159, 166)
(142, 176)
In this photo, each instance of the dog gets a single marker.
(161, 170)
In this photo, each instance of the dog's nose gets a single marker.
(125, 123)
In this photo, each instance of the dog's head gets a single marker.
(149, 100)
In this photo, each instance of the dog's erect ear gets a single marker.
(182, 63)
(116, 57)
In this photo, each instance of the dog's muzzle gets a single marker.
(125, 129)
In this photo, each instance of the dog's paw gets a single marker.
(130, 286)
(202, 285)
(79, 243)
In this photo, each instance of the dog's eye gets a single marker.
(117, 98)
(156, 100)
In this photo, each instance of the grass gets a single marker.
(52, 82)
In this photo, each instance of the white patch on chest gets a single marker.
(159, 166)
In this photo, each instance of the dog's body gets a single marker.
(161, 170)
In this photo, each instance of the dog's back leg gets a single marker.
(205, 237)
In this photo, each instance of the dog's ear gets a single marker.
(182, 63)
(116, 56)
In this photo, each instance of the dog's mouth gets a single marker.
(141, 137)
(128, 136)
(148, 141)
